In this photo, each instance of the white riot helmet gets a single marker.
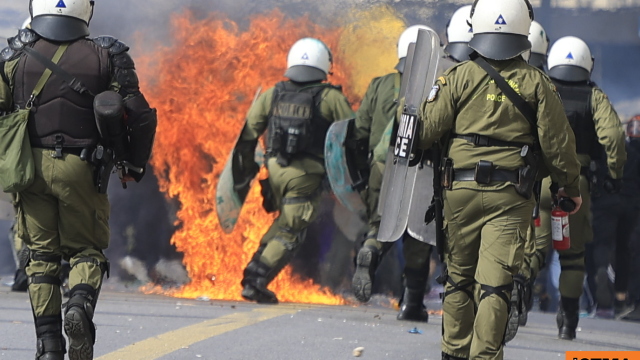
(570, 60)
(459, 33)
(61, 20)
(501, 28)
(309, 60)
(539, 45)
(408, 36)
(26, 24)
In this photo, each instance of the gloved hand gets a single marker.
(244, 170)
(611, 185)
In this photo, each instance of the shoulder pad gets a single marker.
(109, 42)
(17, 43)
(7, 54)
(24, 37)
(27, 36)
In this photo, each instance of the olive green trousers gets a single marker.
(62, 216)
(486, 233)
(297, 190)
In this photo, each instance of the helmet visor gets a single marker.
(304, 73)
(59, 28)
(401, 64)
(538, 60)
(499, 46)
(459, 51)
(569, 73)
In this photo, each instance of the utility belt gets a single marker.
(284, 160)
(77, 151)
(482, 140)
(100, 157)
(485, 177)
(485, 172)
(524, 178)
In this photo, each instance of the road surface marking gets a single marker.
(163, 344)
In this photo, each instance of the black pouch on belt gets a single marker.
(483, 172)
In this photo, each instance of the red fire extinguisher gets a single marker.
(560, 224)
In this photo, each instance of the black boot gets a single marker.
(567, 318)
(255, 281)
(50, 343)
(78, 322)
(515, 308)
(412, 306)
(527, 301)
(366, 264)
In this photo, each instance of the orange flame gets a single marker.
(202, 88)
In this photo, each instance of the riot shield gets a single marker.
(389, 158)
(229, 196)
(422, 193)
(346, 173)
(400, 186)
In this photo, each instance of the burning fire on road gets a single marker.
(202, 85)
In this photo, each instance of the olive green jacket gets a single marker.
(378, 108)
(610, 133)
(465, 100)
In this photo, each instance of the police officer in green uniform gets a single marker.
(596, 125)
(62, 215)
(487, 205)
(377, 110)
(296, 115)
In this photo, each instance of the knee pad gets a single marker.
(45, 267)
(103, 266)
(85, 297)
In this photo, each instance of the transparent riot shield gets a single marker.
(346, 179)
(400, 185)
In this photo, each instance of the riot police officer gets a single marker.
(64, 215)
(596, 125)
(376, 112)
(615, 217)
(491, 148)
(296, 115)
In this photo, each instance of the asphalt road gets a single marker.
(134, 326)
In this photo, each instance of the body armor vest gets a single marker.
(60, 115)
(295, 123)
(576, 100)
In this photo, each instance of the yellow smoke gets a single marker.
(369, 44)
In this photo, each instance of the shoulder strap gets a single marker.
(46, 74)
(71, 81)
(516, 99)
